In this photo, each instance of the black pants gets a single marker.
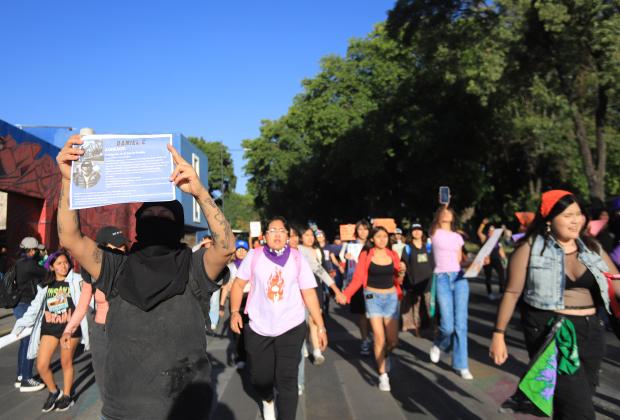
(98, 341)
(240, 341)
(275, 361)
(495, 264)
(573, 393)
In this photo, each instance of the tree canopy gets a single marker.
(499, 101)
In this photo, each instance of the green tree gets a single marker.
(221, 170)
(550, 67)
(239, 210)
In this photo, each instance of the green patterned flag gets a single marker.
(538, 383)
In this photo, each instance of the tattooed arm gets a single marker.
(82, 248)
(218, 255)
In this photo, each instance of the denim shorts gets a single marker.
(381, 305)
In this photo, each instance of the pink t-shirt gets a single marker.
(275, 304)
(446, 249)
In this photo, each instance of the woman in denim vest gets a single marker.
(559, 271)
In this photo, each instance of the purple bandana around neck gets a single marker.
(237, 262)
(277, 259)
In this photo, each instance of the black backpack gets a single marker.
(9, 293)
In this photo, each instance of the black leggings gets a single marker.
(275, 360)
(573, 393)
(496, 264)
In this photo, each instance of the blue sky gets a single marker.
(201, 68)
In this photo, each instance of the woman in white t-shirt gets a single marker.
(282, 286)
(452, 292)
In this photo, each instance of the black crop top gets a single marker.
(380, 276)
(585, 281)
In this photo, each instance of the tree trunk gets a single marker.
(595, 175)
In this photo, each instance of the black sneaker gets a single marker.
(64, 403)
(519, 403)
(50, 403)
(31, 385)
(18, 382)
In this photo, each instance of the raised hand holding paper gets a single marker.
(117, 168)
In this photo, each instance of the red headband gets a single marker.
(550, 199)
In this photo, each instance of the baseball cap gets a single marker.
(111, 235)
(398, 231)
(319, 233)
(416, 226)
(29, 243)
(242, 244)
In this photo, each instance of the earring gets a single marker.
(548, 230)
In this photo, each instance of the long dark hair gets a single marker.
(315, 244)
(365, 224)
(437, 216)
(539, 226)
(50, 277)
(371, 244)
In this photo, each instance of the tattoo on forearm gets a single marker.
(208, 205)
(97, 255)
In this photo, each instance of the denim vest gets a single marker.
(546, 277)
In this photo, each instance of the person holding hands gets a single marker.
(282, 286)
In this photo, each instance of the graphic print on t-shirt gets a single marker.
(275, 286)
(58, 309)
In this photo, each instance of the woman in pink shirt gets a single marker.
(452, 292)
(112, 238)
(282, 286)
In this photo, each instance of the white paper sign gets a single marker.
(485, 251)
(354, 249)
(121, 168)
(255, 229)
(398, 248)
(12, 338)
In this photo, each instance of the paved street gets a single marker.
(344, 387)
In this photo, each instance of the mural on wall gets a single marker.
(25, 170)
(28, 172)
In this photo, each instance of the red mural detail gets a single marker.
(22, 172)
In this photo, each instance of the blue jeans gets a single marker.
(452, 300)
(214, 308)
(24, 365)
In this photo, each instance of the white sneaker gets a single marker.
(318, 357)
(304, 351)
(18, 382)
(269, 410)
(300, 390)
(435, 354)
(466, 374)
(384, 382)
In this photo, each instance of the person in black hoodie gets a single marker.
(28, 274)
(156, 363)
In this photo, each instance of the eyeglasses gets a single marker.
(274, 231)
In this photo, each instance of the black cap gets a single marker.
(416, 226)
(111, 235)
